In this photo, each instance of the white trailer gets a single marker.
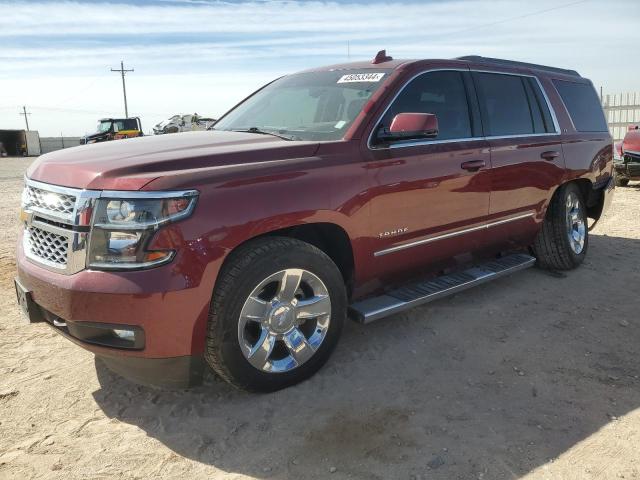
(20, 142)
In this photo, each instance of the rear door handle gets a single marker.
(473, 165)
(550, 156)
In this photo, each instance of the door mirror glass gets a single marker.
(411, 126)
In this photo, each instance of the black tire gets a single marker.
(621, 181)
(552, 247)
(242, 272)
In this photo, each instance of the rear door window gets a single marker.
(583, 105)
(505, 107)
(442, 93)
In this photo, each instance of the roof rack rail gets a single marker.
(513, 63)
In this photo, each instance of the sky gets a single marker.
(204, 56)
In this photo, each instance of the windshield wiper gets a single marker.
(262, 132)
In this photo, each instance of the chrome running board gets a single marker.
(418, 293)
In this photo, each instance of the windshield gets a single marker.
(306, 106)
(104, 126)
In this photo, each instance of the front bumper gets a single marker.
(628, 170)
(169, 308)
(175, 372)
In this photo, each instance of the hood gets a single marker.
(632, 141)
(90, 136)
(132, 163)
(168, 121)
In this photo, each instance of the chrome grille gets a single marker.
(50, 202)
(47, 247)
(632, 157)
(51, 237)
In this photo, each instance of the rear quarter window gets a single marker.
(583, 105)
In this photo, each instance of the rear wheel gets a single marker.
(276, 315)
(563, 240)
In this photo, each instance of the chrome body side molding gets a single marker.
(455, 233)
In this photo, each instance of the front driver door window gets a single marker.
(441, 93)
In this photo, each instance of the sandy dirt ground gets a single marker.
(534, 376)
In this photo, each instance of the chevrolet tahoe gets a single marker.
(349, 191)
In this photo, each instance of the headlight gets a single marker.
(617, 152)
(123, 227)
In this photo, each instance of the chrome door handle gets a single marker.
(473, 165)
(550, 156)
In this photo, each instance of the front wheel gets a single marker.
(563, 240)
(276, 315)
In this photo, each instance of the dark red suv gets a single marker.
(352, 190)
(626, 157)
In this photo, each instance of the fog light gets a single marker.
(112, 335)
(128, 335)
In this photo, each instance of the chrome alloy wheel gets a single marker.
(576, 227)
(284, 320)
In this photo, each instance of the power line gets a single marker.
(517, 17)
(124, 88)
(105, 111)
(25, 113)
(498, 22)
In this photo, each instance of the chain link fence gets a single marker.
(621, 110)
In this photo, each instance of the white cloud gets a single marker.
(203, 56)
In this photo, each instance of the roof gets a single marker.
(466, 60)
(115, 119)
(362, 65)
(512, 63)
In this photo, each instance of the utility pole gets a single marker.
(25, 113)
(124, 88)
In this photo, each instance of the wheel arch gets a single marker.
(592, 195)
(329, 237)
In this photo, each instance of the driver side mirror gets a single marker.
(411, 126)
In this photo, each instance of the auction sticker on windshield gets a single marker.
(361, 77)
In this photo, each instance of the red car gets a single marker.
(355, 190)
(627, 157)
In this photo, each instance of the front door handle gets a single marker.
(550, 156)
(473, 165)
